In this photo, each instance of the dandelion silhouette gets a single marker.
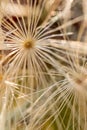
(43, 79)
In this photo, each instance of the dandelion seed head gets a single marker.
(33, 51)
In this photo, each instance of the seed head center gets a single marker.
(28, 44)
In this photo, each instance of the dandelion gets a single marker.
(68, 99)
(29, 45)
(35, 82)
(76, 83)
